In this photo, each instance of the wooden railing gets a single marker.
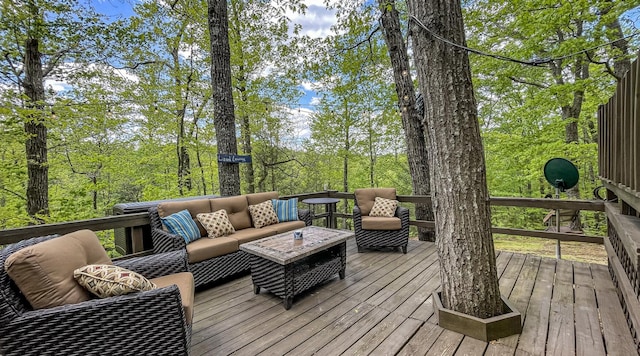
(138, 223)
(619, 169)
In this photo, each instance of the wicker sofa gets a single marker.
(213, 259)
(151, 322)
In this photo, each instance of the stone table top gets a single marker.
(283, 249)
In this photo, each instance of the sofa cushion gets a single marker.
(195, 207)
(181, 223)
(237, 210)
(257, 198)
(286, 210)
(285, 226)
(106, 281)
(366, 197)
(384, 207)
(251, 234)
(263, 214)
(205, 249)
(44, 272)
(381, 223)
(184, 281)
(216, 223)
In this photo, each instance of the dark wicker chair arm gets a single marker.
(142, 323)
(156, 265)
(305, 215)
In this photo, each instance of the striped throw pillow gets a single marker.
(287, 210)
(182, 224)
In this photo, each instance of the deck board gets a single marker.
(384, 307)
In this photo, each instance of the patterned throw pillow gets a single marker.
(287, 210)
(217, 223)
(110, 281)
(263, 214)
(384, 207)
(182, 224)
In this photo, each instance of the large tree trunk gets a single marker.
(417, 153)
(36, 132)
(224, 119)
(458, 177)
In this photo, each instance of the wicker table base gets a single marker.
(292, 279)
(286, 267)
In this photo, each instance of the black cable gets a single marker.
(535, 63)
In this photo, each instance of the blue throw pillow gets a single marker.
(287, 210)
(182, 224)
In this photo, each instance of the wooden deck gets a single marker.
(383, 307)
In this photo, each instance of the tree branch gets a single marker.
(522, 81)
(606, 64)
(14, 193)
(54, 61)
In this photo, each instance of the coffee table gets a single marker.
(287, 267)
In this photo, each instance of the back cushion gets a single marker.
(44, 272)
(195, 207)
(237, 210)
(366, 197)
(258, 198)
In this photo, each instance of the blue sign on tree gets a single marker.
(231, 158)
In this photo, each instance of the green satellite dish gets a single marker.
(561, 173)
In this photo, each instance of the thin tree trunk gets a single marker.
(224, 119)
(36, 132)
(457, 167)
(417, 153)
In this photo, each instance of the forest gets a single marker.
(126, 113)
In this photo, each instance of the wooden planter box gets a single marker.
(488, 329)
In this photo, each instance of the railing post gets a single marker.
(558, 250)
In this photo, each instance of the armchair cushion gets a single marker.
(106, 281)
(263, 214)
(381, 223)
(217, 223)
(184, 282)
(44, 271)
(365, 198)
(287, 210)
(182, 224)
(383, 207)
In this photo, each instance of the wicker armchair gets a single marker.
(152, 322)
(375, 232)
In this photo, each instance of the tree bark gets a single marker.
(224, 119)
(36, 132)
(417, 153)
(457, 168)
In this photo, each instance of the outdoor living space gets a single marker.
(384, 307)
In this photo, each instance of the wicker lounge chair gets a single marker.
(375, 232)
(143, 323)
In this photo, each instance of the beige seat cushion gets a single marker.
(366, 197)
(44, 272)
(184, 281)
(251, 234)
(381, 223)
(257, 198)
(195, 207)
(206, 248)
(237, 210)
(285, 226)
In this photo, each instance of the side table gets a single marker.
(329, 208)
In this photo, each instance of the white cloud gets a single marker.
(316, 22)
(56, 85)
